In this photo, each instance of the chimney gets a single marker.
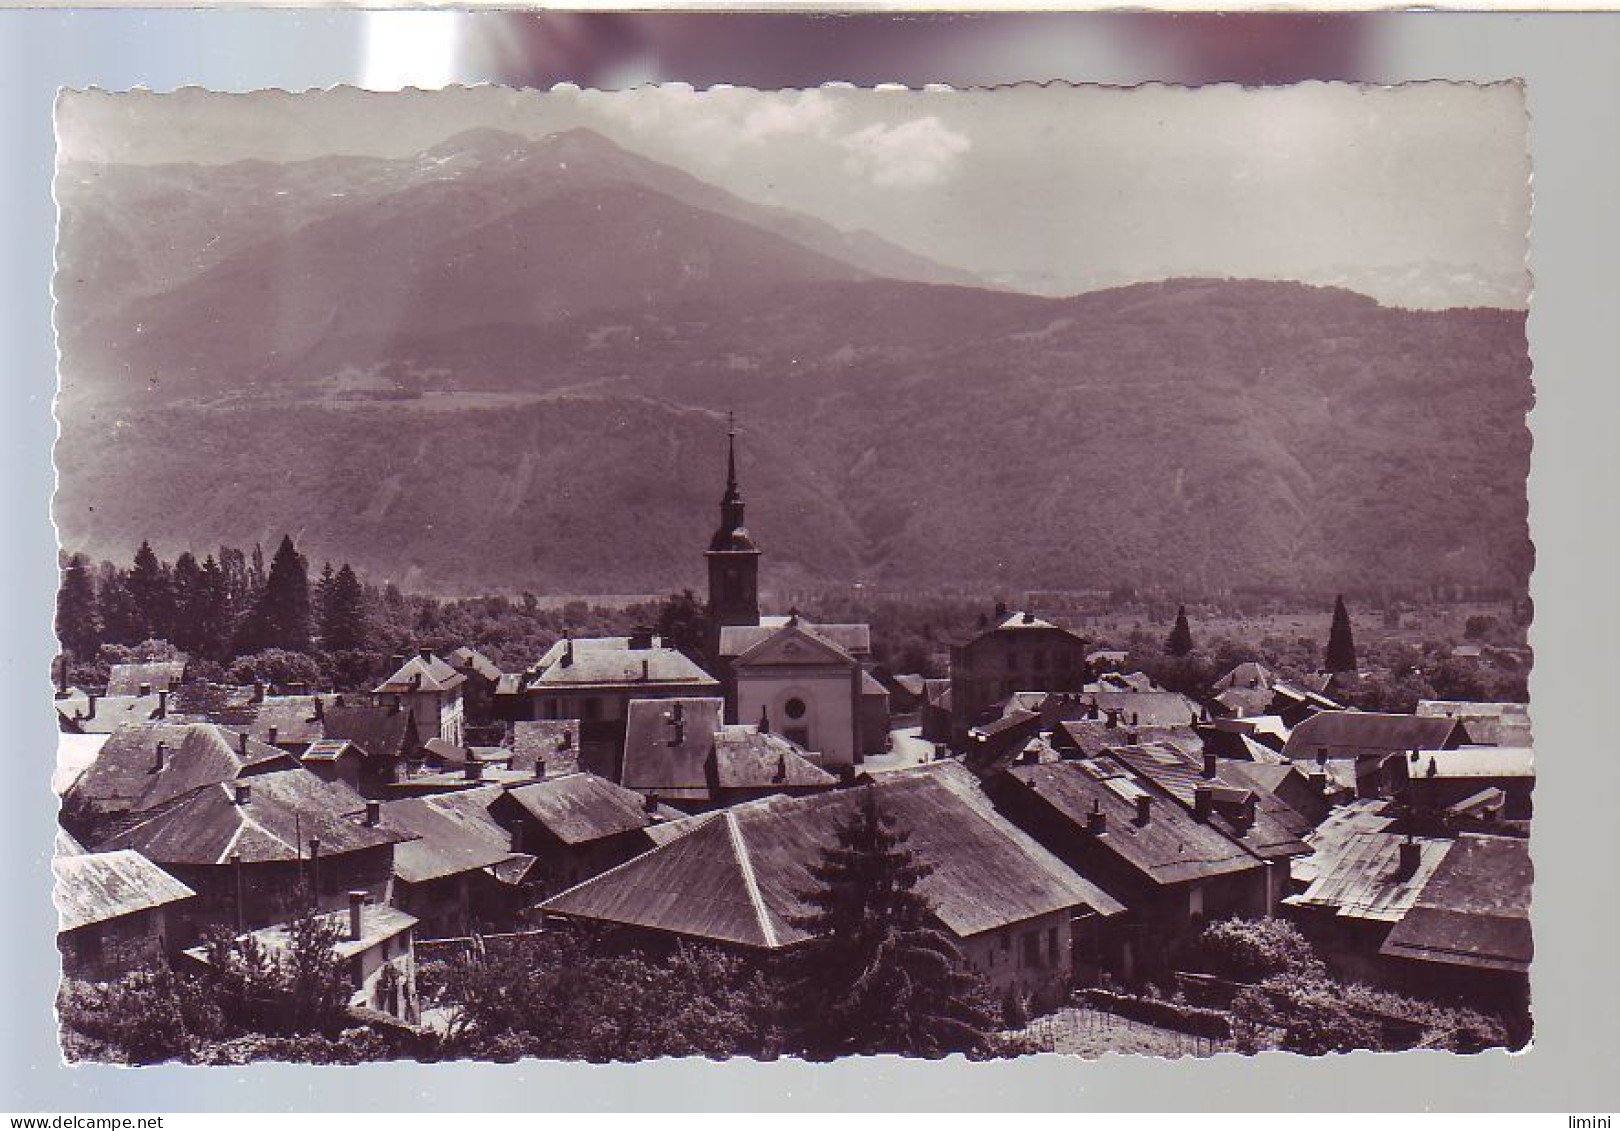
(568, 652)
(320, 709)
(242, 742)
(1029, 618)
(474, 769)
(425, 653)
(1203, 802)
(642, 638)
(258, 691)
(646, 670)
(1001, 611)
(1096, 820)
(1246, 816)
(567, 742)
(145, 690)
(1144, 809)
(1113, 718)
(373, 813)
(357, 913)
(1091, 709)
(270, 735)
(1411, 856)
(163, 704)
(764, 720)
(158, 758)
(1209, 764)
(1130, 738)
(539, 767)
(90, 711)
(416, 681)
(649, 803)
(1321, 755)
(244, 793)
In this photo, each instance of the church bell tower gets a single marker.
(733, 558)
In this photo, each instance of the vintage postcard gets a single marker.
(609, 575)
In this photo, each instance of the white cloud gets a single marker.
(724, 125)
(913, 154)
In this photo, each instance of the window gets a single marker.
(794, 708)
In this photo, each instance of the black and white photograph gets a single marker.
(604, 575)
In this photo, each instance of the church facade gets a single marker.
(786, 675)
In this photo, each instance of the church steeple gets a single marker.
(733, 557)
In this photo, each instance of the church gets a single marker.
(806, 681)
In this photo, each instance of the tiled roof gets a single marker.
(553, 743)
(738, 876)
(745, 758)
(94, 887)
(75, 753)
(465, 658)
(1147, 708)
(378, 921)
(856, 639)
(381, 730)
(1371, 730)
(1170, 847)
(453, 833)
(1490, 724)
(127, 774)
(104, 714)
(870, 686)
(794, 643)
(421, 673)
(1474, 762)
(284, 810)
(297, 720)
(1475, 909)
(1275, 831)
(620, 667)
(709, 755)
(1359, 877)
(1334, 832)
(1251, 676)
(579, 808)
(159, 675)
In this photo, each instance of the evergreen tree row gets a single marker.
(223, 607)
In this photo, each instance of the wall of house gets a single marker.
(829, 725)
(992, 667)
(366, 977)
(106, 950)
(442, 905)
(275, 891)
(439, 714)
(1033, 958)
(874, 724)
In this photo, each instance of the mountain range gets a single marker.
(505, 364)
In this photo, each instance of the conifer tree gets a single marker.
(211, 611)
(186, 582)
(1341, 646)
(880, 975)
(344, 622)
(149, 587)
(122, 621)
(76, 621)
(281, 618)
(1180, 641)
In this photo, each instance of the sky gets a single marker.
(1418, 195)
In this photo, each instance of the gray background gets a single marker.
(1571, 65)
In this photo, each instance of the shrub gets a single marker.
(1251, 950)
(137, 1017)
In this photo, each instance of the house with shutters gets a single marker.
(1020, 652)
(431, 690)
